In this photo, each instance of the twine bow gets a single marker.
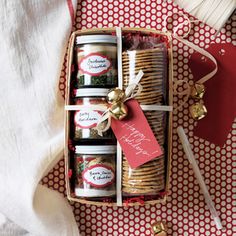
(187, 92)
(134, 89)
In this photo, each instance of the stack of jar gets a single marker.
(95, 155)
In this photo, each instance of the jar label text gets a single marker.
(95, 64)
(99, 175)
(87, 118)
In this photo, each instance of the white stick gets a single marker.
(190, 156)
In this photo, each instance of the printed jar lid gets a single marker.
(91, 92)
(104, 149)
(96, 39)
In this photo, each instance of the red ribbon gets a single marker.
(69, 173)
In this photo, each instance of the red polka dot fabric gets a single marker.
(185, 210)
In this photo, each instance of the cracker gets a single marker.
(148, 83)
(150, 94)
(145, 176)
(145, 69)
(149, 169)
(153, 163)
(155, 171)
(147, 76)
(155, 120)
(146, 181)
(142, 65)
(144, 173)
(143, 191)
(133, 62)
(157, 160)
(126, 62)
(153, 99)
(144, 51)
(140, 176)
(143, 185)
(150, 164)
(137, 180)
(154, 115)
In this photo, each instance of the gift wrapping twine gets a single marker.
(214, 13)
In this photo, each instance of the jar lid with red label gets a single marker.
(96, 39)
(88, 149)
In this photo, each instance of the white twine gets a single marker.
(134, 89)
(181, 38)
(214, 13)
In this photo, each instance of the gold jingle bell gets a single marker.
(118, 110)
(198, 111)
(197, 91)
(115, 95)
(159, 228)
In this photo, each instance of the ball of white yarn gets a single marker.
(214, 13)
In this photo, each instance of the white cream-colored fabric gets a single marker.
(33, 39)
(215, 13)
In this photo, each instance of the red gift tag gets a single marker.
(219, 99)
(135, 136)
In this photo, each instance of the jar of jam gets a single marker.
(97, 61)
(95, 171)
(85, 119)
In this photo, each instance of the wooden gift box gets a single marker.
(119, 202)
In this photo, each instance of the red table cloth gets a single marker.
(185, 210)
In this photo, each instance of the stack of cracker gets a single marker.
(153, 63)
(150, 177)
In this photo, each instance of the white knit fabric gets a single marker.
(33, 38)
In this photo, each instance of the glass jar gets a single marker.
(95, 171)
(85, 119)
(96, 61)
